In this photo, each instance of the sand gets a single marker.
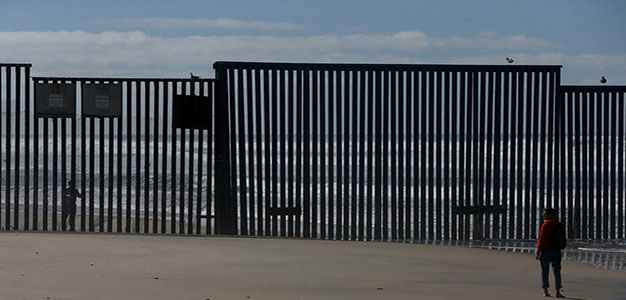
(113, 266)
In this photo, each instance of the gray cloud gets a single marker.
(135, 53)
(219, 23)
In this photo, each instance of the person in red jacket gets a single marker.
(548, 252)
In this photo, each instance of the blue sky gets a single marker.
(171, 38)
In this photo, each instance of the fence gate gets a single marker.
(390, 152)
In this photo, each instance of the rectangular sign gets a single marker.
(55, 100)
(102, 99)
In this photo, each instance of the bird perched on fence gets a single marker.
(509, 60)
(194, 77)
(603, 80)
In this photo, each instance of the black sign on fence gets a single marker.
(191, 112)
(56, 99)
(102, 100)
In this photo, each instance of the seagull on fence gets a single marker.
(603, 80)
(194, 77)
(509, 60)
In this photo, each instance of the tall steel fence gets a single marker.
(136, 170)
(392, 152)
(593, 119)
(328, 151)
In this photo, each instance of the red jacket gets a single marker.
(547, 229)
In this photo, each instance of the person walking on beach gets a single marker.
(551, 242)
(70, 193)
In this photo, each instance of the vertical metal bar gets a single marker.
(101, 174)
(225, 221)
(470, 80)
(519, 134)
(306, 109)
(183, 154)
(592, 155)
(129, 138)
(505, 153)
(559, 192)
(535, 149)
(46, 155)
(542, 151)
(497, 99)
(146, 162)
(63, 166)
(378, 159)
(174, 184)
(259, 152)
(250, 133)
(400, 100)
(551, 118)
(423, 163)
(155, 160)
(445, 99)
(620, 165)
(439, 150)
(370, 149)
(275, 132)
(119, 171)
(18, 114)
(331, 154)
(605, 159)
(477, 151)
(314, 134)
(268, 162)
(55, 174)
(7, 134)
(361, 160)
(394, 151)
(598, 173)
(354, 105)
(385, 170)
(575, 119)
(323, 145)
(340, 101)
(211, 93)
(27, 166)
(290, 139)
(613, 205)
(36, 166)
(2, 75)
(531, 85)
(487, 198)
(514, 202)
(431, 161)
(461, 140)
(192, 142)
(138, 95)
(203, 92)
(454, 133)
(164, 169)
(584, 108)
(568, 112)
(346, 155)
(283, 149)
(111, 139)
(92, 150)
(299, 128)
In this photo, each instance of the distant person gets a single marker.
(551, 242)
(70, 193)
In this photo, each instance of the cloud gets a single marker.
(135, 53)
(219, 23)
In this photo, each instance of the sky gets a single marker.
(172, 38)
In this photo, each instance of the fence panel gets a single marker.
(399, 152)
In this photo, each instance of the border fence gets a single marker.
(327, 151)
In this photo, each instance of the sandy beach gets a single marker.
(108, 266)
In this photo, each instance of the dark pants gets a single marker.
(69, 211)
(550, 256)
